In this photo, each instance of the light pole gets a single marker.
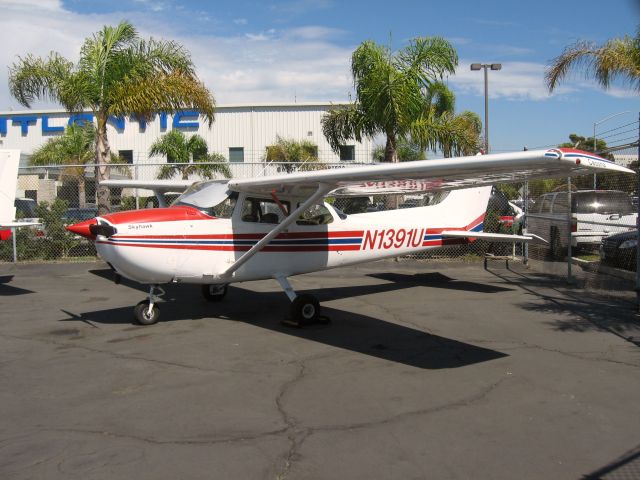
(595, 178)
(486, 67)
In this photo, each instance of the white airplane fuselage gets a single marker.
(181, 244)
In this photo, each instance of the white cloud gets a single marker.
(270, 66)
(31, 5)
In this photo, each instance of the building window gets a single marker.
(236, 154)
(347, 152)
(126, 155)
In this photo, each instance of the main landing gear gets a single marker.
(305, 308)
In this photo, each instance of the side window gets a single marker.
(315, 215)
(260, 210)
(560, 204)
(546, 204)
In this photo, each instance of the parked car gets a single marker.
(595, 214)
(26, 209)
(620, 250)
(75, 215)
(509, 214)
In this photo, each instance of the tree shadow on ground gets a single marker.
(581, 310)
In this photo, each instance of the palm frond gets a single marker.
(169, 93)
(617, 58)
(32, 78)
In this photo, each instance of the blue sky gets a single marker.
(298, 50)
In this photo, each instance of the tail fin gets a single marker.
(465, 208)
(9, 162)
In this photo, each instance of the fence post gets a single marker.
(15, 246)
(638, 225)
(525, 212)
(569, 216)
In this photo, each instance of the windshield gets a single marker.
(605, 202)
(212, 198)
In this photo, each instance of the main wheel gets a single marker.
(213, 292)
(142, 314)
(305, 309)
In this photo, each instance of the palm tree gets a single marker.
(117, 74)
(407, 151)
(618, 58)
(401, 95)
(73, 150)
(187, 156)
(293, 154)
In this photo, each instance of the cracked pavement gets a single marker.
(428, 370)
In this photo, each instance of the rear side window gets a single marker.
(605, 202)
(25, 208)
(560, 204)
(546, 204)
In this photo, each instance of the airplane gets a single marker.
(220, 232)
(9, 163)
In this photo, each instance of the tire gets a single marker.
(213, 292)
(142, 315)
(305, 309)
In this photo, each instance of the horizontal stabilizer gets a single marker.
(494, 237)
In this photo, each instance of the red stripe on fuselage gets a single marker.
(242, 248)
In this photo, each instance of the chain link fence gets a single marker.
(578, 219)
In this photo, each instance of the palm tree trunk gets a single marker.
(82, 192)
(103, 154)
(390, 152)
(391, 155)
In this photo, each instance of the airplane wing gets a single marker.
(159, 187)
(434, 175)
(162, 186)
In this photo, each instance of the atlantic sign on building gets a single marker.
(55, 124)
(240, 133)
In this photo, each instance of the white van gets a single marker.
(595, 214)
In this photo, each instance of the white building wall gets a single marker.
(252, 127)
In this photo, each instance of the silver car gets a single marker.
(595, 214)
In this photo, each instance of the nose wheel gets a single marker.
(147, 312)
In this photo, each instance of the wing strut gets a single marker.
(320, 192)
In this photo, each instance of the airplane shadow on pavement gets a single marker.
(7, 290)
(348, 330)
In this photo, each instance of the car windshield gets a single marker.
(602, 202)
(212, 198)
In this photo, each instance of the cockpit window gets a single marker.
(315, 215)
(212, 198)
(262, 210)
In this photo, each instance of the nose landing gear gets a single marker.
(147, 312)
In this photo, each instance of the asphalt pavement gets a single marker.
(427, 370)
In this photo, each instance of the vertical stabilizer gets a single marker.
(9, 162)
